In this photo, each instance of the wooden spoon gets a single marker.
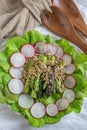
(60, 25)
(71, 10)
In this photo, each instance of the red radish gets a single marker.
(38, 110)
(52, 109)
(40, 47)
(69, 95)
(25, 101)
(67, 59)
(70, 82)
(62, 104)
(59, 52)
(16, 72)
(69, 69)
(17, 60)
(28, 50)
(51, 49)
(15, 86)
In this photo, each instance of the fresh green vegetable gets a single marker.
(43, 58)
(53, 59)
(79, 59)
(44, 85)
(36, 83)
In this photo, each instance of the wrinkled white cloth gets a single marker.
(11, 121)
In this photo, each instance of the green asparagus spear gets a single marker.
(37, 83)
(44, 85)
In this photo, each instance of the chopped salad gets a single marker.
(42, 79)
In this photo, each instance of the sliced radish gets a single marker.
(59, 52)
(52, 110)
(40, 47)
(69, 95)
(62, 104)
(67, 59)
(28, 50)
(16, 72)
(69, 69)
(25, 101)
(15, 86)
(17, 60)
(70, 82)
(51, 49)
(38, 110)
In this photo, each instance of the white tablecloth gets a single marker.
(11, 121)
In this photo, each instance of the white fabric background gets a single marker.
(11, 121)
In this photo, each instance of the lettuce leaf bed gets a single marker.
(79, 59)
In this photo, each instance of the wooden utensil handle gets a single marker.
(76, 39)
(82, 28)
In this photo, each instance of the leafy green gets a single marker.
(14, 44)
(33, 37)
(79, 59)
(33, 121)
(2, 97)
(50, 99)
(4, 62)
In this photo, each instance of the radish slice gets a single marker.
(17, 60)
(59, 52)
(28, 50)
(51, 49)
(69, 95)
(40, 47)
(69, 69)
(67, 59)
(16, 72)
(38, 110)
(15, 86)
(70, 82)
(52, 110)
(25, 101)
(62, 104)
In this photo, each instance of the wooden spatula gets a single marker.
(71, 10)
(61, 25)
